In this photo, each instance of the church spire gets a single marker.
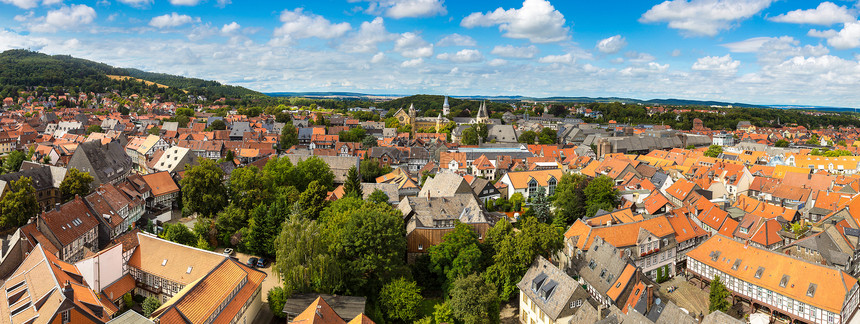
(446, 108)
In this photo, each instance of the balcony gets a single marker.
(649, 252)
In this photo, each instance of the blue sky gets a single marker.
(755, 51)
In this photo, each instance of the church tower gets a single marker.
(483, 117)
(446, 108)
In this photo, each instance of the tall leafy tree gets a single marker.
(547, 136)
(570, 198)
(378, 196)
(303, 260)
(202, 189)
(714, 151)
(369, 241)
(19, 204)
(718, 296)
(514, 251)
(540, 206)
(12, 161)
(313, 200)
(276, 298)
(370, 169)
(601, 194)
(527, 137)
(229, 222)
(457, 255)
(289, 136)
(75, 183)
(352, 186)
(474, 301)
(179, 233)
(280, 171)
(150, 304)
(249, 187)
(400, 300)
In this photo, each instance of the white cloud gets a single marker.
(703, 17)
(368, 37)
(299, 25)
(848, 37)
(773, 50)
(23, 4)
(827, 13)
(750, 45)
(611, 45)
(463, 56)
(398, 9)
(511, 51)
(412, 62)
(650, 68)
(676, 52)
(65, 18)
(456, 40)
(137, 3)
(411, 45)
(720, 64)
(171, 20)
(230, 28)
(223, 3)
(537, 21)
(566, 59)
(10, 40)
(637, 57)
(378, 57)
(497, 62)
(184, 2)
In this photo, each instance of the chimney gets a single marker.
(68, 291)
(650, 295)
(57, 206)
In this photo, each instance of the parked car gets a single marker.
(228, 251)
(252, 262)
(262, 262)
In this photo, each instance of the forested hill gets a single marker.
(22, 70)
(431, 105)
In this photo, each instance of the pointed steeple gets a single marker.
(483, 116)
(446, 108)
(411, 110)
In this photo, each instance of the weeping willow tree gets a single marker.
(303, 261)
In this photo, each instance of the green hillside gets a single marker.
(23, 70)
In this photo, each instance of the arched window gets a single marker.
(532, 187)
(551, 184)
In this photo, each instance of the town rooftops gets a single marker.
(548, 287)
(72, 220)
(776, 272)
(172, 260)
(161, 183)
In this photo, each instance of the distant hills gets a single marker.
(23, 69)
(666, 102)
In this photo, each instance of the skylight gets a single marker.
(163, 263)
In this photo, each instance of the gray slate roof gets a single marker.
(545, 273)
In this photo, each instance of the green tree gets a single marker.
(781, 143)
(179, 233)
(183, 121)
(94, 129)
(442, 313)
(75, 183)
(718, 296)
(218, 124)
(714, 151)
(150, 304)
(19, 204)
(814, 140)
(370, 169)
(353, 135)
(548, 136)
(514, 251)
(352, 186)
(469, 137)
(312, 169)
(289, 136)
(570, 198)
(203, 244)
(517, 201)
(527, 137)
(313, 200)
(474, 301)
(368, 240)
(400, 300)
(277, 297)
(457, 255)
(155, 130)
(378, 196)
(601, 194)
(280, 171)
(541, 206)
(12, 162)
(841, 143)
(303, 261)
(128, 300)
(228, 223)
(249, 187)
(202, 189)
(368, 142)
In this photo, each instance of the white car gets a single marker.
(228, 251)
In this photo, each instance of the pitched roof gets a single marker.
(318, 312)
(72, 220)
(826, 289)
(548, 287)
(172, 260)
(161, 183)
(521, 179)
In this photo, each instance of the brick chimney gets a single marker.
(68, 291)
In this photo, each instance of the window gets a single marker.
(532, 187)
(420, 247)
(67, 317)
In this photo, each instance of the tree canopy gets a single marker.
(202, 189)
(19, 204)
(75, 183)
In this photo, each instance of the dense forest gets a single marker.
(23, 70)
